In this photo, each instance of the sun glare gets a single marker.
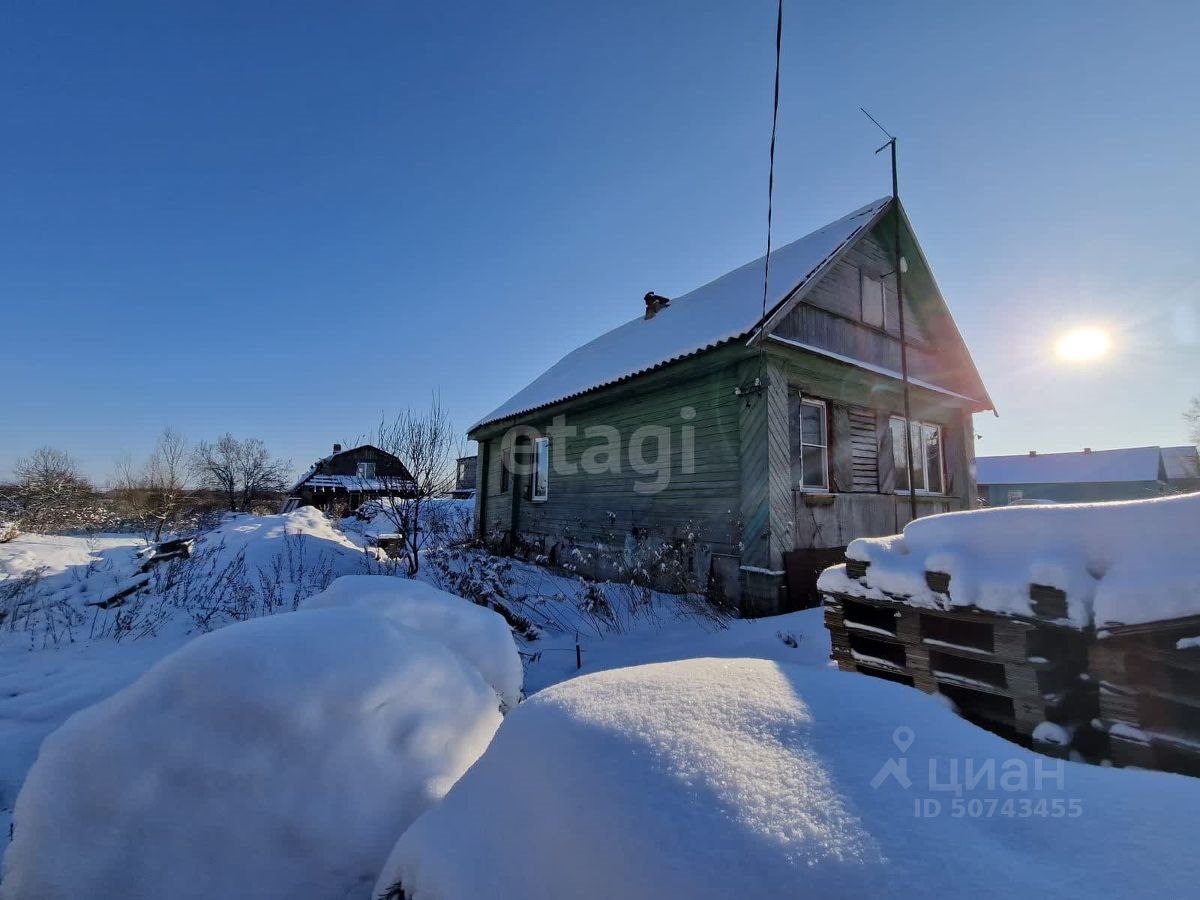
(1082, 344)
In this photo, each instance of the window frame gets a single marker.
(919, 450)
(863, 277)
(535, 471)
(801, 443)
(506, 469)
(361, 471)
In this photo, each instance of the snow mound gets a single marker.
(276, 758)
(745, 778)
(1118, 563)
(478, 635)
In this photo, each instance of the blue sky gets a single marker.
(284, 220)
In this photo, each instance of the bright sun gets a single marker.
(1082, 344)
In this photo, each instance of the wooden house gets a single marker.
(1182, 465)
(464, 477)
(760, 438)
(345, 479)
(1088, 476)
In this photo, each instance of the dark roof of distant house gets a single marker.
(1181, 462)
(1081, 467)
(312, 470)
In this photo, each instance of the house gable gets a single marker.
(828, 315)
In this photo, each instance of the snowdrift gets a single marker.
(479, 636)
(1118, 563)
(745, 778)
(276, 758)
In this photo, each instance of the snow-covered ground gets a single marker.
(742, 767)
(274, 758)
(746, 778)
(256, 565)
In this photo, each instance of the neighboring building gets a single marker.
(345, 479)
(1132, 473)
(464, 477)
(757, 442)
(1182, 465)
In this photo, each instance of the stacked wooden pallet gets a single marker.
(1149, 684)
(1006, 673)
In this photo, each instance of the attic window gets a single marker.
(366, 470)
(872, 300)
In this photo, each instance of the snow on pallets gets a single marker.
(1149, 683)
(1009, 673)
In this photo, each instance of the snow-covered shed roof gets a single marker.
(1181, 462)
(720, 311)
(1127, 464)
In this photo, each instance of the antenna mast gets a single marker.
(898, 262)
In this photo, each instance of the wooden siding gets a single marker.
(830, 318)
(590, 510)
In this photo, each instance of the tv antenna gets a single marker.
(900, 267)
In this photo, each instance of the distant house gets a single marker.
(1131, 473)
(345, 479)
(464, 477)
(1182, 466)
(757, 439)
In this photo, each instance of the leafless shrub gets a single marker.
(52, 495)
(426, 442)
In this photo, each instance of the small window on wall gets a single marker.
(814, 446)
(366, 470)
(1015, 495)
(927, 469)
(540, 489)
(872, 300)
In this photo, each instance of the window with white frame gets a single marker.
(872, 300)
(927, 468)
(814, 446)
(540, 487)
(1016, 495)
(366, 470)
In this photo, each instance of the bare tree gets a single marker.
(51, 494)
(425, 441)
(241, 470)
(157, 490)
(1192, 417)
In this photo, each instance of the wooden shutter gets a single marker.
(864, 449)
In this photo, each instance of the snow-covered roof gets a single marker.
(1128, 464)
(718, 312)
(1181, 462)
(354, 483)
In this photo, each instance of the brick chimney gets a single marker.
(1033, 453)
(655, 303)
(337, 448)
(1087, 449)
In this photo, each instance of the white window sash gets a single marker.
(539, 475)
(920, 460)
(824, 446)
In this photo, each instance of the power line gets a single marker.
(771, 168)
